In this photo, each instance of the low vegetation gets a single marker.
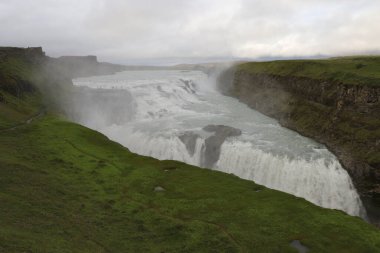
(357, 70)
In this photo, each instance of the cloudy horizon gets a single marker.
(127, 31)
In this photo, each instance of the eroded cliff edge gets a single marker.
(342, 110)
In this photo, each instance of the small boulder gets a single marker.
(159, 189)
(299, 246)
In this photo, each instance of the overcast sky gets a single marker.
(121, 30)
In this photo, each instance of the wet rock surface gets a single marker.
(189, 86)
(213, 143)
(190, 140)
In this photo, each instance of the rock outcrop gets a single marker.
(190, 141)
(213, 143)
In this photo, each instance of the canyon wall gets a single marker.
(344, 117)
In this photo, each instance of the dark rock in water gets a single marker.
(189, 86)
(190, 140)
(213, 143)
(211, 150)
(298, 246)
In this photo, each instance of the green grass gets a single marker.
(360, 70)
(17, 74)
(16, 111)
(65, 188)
(16, 67)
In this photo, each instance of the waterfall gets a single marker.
(177, 115)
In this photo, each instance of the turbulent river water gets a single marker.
(180, 115)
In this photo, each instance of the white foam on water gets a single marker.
(324, 183)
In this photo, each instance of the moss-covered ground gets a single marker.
(359, 70)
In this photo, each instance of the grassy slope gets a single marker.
(65, 188)
(351, 70)
(14, 109)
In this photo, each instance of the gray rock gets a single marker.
(213, 143)
(159, 189)
(298, 246)
(189, 139)
(222, 130)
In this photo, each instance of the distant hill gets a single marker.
(81, 66)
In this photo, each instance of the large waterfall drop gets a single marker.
(179, 115)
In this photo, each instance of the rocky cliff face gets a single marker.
(344, 117)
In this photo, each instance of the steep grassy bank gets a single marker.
(335, 101)
(66, 188)
(19, 98)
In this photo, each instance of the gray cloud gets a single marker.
(118, 30)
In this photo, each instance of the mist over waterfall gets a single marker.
(180, 115)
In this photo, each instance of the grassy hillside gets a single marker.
(351, 70)
(19, 99)
(66, 188)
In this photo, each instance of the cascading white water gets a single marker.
(165, 105)
(323, 183)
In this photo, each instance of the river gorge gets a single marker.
(181, 115)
